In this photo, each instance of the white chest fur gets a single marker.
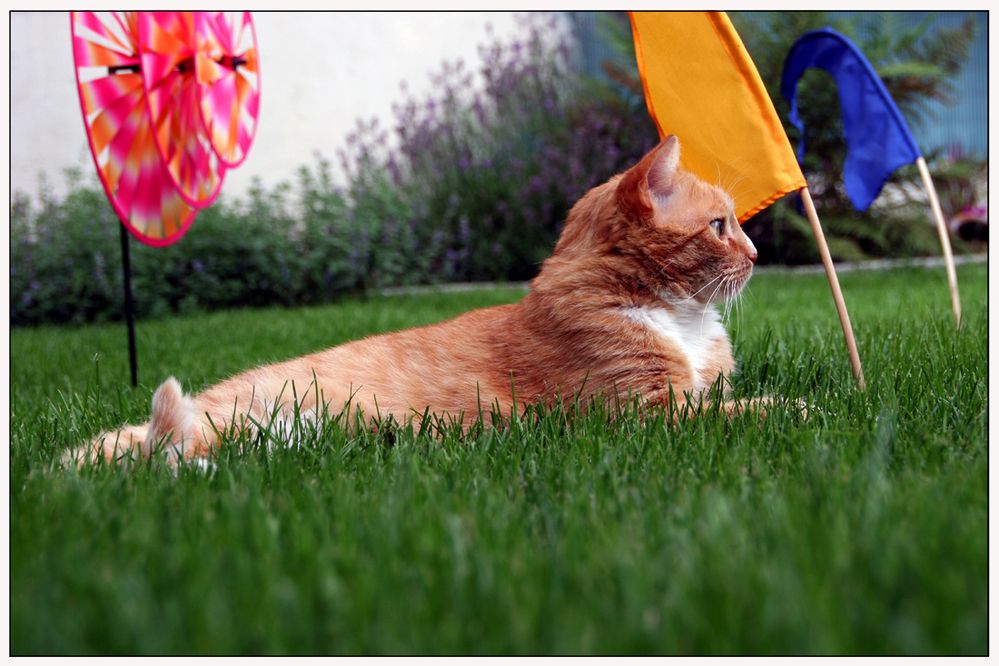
(694, 330)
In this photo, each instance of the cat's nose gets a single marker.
(752, 254)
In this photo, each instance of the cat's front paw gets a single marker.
(802, 408)
(758, 406)
(765, 405)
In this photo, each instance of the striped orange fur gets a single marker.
(625, 304)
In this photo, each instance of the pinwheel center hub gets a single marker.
(232, 62)
(133, 68)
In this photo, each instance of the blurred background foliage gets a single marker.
(473, 181)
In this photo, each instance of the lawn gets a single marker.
(861, 530)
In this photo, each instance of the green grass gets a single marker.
(862, 530)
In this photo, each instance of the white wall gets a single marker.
(320, 72)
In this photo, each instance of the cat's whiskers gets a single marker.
(738, 303)
(726, 310)
(736, 177)
(733, 282)
(708, 284)
(710, 302)
(732, 307)
(735, 182)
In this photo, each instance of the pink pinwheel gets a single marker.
(113, 100)
(167, 55)
(226, 67)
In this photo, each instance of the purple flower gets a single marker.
(28, 297)
(464, 231)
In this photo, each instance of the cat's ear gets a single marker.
(666, 159)
(651, 177)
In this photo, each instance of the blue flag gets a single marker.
(877, 139)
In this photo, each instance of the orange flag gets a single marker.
(701, 85)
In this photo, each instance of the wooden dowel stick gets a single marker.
(931, 191)
(844, 316)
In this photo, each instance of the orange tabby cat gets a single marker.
(624, 305)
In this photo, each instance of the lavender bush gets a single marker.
(486, 167)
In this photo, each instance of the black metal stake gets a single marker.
(126, 267)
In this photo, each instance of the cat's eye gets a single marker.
(718, 225)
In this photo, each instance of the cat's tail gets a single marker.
(172, 427)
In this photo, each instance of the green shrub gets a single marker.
(270, 248)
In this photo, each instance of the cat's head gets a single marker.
(681, 230)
